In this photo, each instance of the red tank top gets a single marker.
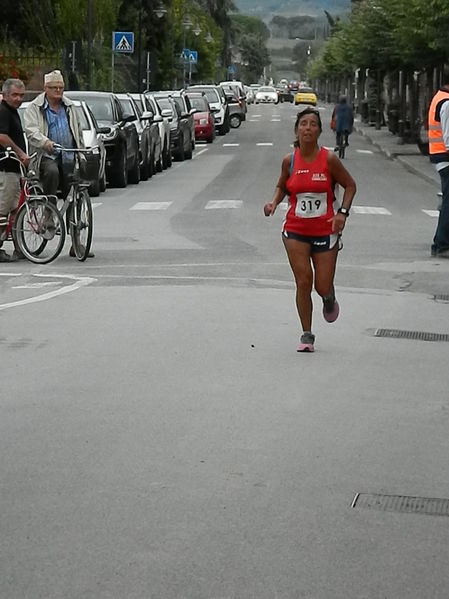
(310, 197)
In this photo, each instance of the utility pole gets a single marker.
(89, 43)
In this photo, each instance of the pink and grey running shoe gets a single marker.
(306, 342)
(331, 309)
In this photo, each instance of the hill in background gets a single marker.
(265, 9)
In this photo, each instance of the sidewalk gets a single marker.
(407, 154)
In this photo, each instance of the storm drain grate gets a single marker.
(402, 503)
(415, 335)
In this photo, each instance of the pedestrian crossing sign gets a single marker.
(123, 41)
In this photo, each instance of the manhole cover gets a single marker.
(402, 503)
(415, 335)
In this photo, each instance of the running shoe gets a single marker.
(331, 309)
(306, 342)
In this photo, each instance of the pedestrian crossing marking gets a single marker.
(151, 206)
(265, 143)
(216, 204)
(432, 213)
(231, 145)
(370, 210)
(275, 120)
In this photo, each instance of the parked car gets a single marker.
(203, 117)
(187, 111)
(236, 110)
(119, 135)
(150, 156)
(179, 143)
(184, 115)
(217, 101)
(239, 91)
(149, 105)
(95, 165)
(266, 95)
(249, 94)
(305, 95)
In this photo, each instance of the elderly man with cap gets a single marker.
(51, 119)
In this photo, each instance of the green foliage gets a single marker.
(385, 35)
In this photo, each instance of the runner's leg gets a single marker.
(298, 254)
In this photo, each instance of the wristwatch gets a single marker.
(344, 211)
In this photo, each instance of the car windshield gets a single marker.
(127, 107)
(211, 95)
(164, 104)
(101, 108)
(198, 103)
(266, 89)
(85, 126)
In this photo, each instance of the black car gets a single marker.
(180, 137)
(149, 140)
(187, 112)
(119, 134)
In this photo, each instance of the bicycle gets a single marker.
(341, 145)
(78, 207)
(35, 226)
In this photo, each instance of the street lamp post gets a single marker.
(187, 24)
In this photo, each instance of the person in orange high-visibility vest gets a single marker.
(438, 119)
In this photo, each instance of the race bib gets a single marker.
(311, 205)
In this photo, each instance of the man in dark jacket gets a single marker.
(11, 136)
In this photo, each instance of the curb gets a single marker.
(400, 158)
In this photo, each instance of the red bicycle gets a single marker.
(35, 226)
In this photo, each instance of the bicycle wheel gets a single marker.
(39, 231)
(81, 224)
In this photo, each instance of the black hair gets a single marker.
(301, 113)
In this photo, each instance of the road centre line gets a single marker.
(432, 213)
(264, 143)
(79, 282)
(231, 145)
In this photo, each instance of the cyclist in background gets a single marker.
(344, 120)
(51, 119)
(11, 136)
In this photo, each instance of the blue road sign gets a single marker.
(185, 54)
(123, 41)
(193, 56)
(231, 69)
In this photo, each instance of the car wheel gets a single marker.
(103, 182)
(235, 121)
(145, 170)
(134, 173)
(189, 152)
(119, 174)
(180, 156)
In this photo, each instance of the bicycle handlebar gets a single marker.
(9, 153)
(81, 150)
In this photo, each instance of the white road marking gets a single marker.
(200, 152)
(275, 120)
(96, 204)
(265, 143)
(37, 285)
(10, 274)
(231, 145)
(79, 282)
(256, 116)
(365, 151)
(370, 210)
(151, 206)
(214, 204)
(433, 213)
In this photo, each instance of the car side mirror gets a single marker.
(104, 130)
(157, 118)
(147, 115)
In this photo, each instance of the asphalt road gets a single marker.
(161, 438)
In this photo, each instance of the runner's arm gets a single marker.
(280, 191)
